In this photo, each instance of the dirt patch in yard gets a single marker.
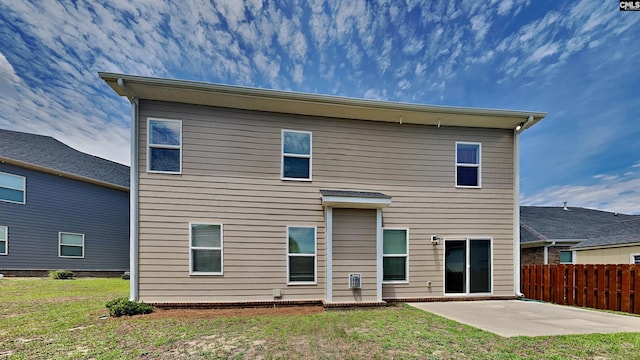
(244, 312)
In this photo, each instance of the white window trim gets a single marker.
(221, 248)
(60, 245)
(149, 146)
(315, 255)
(5, 240)
(479, 165)
(301, 156)
(24, 188)
(631, 257)
(467, 279)
(406, 255)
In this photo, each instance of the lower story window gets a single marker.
(301, 254)
(566, 257)
(395, 244)
(635, 259)
(467, 266)
(71, 245)
(4, 240)
(206, 249)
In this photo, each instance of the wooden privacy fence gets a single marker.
(606, 287)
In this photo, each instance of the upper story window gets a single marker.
(164, 149)
(468, 164)
(296, 155)
(12, 188)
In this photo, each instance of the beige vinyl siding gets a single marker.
(354, 251)
(614, 255)
(231, 176)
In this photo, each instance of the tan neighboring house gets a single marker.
(614, 244)
(250, 196)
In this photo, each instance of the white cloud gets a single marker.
(544, 51)
(504, 7)
(619, 194)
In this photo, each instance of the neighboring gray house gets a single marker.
(554, 235)
(60, 208)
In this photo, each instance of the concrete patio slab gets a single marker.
(529, 318)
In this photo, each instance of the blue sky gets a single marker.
(576, 60)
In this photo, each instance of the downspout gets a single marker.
(546, 252)
(516, 205)
(133, 195)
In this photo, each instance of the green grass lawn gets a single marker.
(60, 319)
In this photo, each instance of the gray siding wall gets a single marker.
(231, 175)
(58, 204)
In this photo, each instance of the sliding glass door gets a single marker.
(467, 266)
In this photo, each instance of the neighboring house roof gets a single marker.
(541, 225)
(623, 233)
(199, 93)
(556, 223)
(47, 154)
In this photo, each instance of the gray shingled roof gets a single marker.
(590, 227)
(349, 193)
(625, 232)
(556, 223)
(50, 153)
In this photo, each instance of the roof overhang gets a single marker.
(246, 98)
(605, 246)
(56, 172)
(354, 199)
(546, 242)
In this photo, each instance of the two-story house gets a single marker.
(60, 209)
(252, 196)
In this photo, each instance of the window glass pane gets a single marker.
(11, 195)
(394, 241)
(3, 247)
(70, 239)
(164, 132)
(3, 233)
(207, 260)
(296, 168)
(302, 240)
(566, 257)
(297, 143)
(70, 250)
(455, 263)
(636, 259)
(480, 266)
(164, 159)
(468, 154)
(301, 268)
(394, 268)
(11, 181)
(467, 176)
(205, 235)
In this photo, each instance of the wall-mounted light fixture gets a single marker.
(519, 126)
(435, 239)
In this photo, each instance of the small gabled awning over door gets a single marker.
(354, 199)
